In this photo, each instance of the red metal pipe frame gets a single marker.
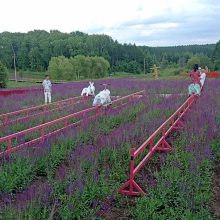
(16, 91)
(213, 74)
(41, 128)
(96, 110)
(131, 188)
(44, 107)
(40, 113)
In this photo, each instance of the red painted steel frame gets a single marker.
(214, 74)
(44, 108)
(8, 139)
(73, 102)
(16, 91)
(131, 188)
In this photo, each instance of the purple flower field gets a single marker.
(77, 173)
(118, 87)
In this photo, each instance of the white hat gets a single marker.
(200, 68)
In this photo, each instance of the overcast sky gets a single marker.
(143, 22)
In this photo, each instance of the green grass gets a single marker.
(27, 74)
(13, 84)
(167, 73)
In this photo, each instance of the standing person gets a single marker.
(195, 86)
(47, 89)
(202, 77)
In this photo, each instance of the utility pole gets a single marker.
(14, 59)
(15, 69)
(144, 65)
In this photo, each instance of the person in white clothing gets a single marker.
(89, 91)
(202, 78)
(102, 98)
(47, 89)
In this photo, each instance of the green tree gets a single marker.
(61, 68)
(35, 49)
(216, 56)
(81, 66)
(100, 67)
(201, 59)
(3, 75)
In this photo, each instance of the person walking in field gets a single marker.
(47, 89)
(195, 86)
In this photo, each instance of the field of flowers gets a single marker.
(77, 174)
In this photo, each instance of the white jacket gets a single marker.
(102, 98)
(47, 85)
(202, 78)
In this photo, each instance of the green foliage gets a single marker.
(3, 75)
(60, 68)
(201, 60)
(16, 175)
(216, 56)
(216, 148)
(178, 190)
(78, 67)
(35, 49)
(22, 171)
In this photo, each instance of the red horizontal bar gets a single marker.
(38, 114)
(39, 107)
(38, 139)
(16, 91)
(63, 119)
(38, 127)
(143, 146)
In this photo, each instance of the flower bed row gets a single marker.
(118, 87)
(95, 169)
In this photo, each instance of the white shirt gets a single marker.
(203, 75)
(47, 85)
(202, 78)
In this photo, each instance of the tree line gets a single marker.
(78, 67)
(37, 50)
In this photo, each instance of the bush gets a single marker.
(3, 75)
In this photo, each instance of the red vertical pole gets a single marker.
(42, 133)
(132, 169)
(97, 111)
(172, 120)
(6, 119)
(66, 122)
(9, 146)
(163, 134)
(151, 144)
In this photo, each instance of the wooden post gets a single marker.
(155, 71)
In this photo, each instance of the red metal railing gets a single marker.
(29, 111)
(65, 124)
(16, 91)
(213, 74)
(131, 188)
(45, 111)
